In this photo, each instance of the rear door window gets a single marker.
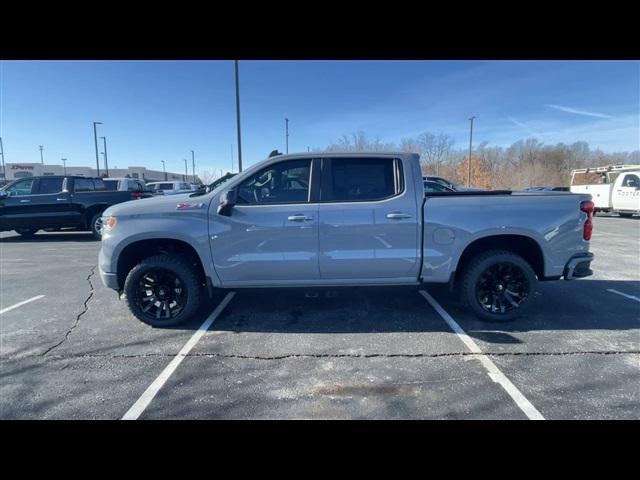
(50, 185)
(361, 179)
(112, 184)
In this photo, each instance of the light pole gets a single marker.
(470, 140)
(308, 149)
(95, 142)
(64, 166)
(286, 134)
(238, 118)
(231, 157)
(41, 157)
(106, 163)
(185, 169)
(193, 166)
(4, 170)
(164, 170)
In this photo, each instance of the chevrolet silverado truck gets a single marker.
(337, 220)
(55, 202)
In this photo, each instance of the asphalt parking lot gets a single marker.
(73, 351)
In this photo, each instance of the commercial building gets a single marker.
(21, 170)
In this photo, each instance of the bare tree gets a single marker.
(434, 149)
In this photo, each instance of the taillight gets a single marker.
(587, 207)
(136, 195)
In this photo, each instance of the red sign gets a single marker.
(21, 167)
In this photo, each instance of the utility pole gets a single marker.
(64, 166)
(4, 170)
(193, 166)
(106, 162)
(41, 158)
(238, 118)
(470, 140)
(95, 142)
(164, 170)
(185, 169)
(286, 134)
(308, 149)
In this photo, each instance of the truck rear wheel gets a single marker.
(498, 285)
(163, 291)
(625, 214)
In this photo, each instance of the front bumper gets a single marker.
(579, 266)
(109, 280)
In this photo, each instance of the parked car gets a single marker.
(614, 188)
(436, 187)
(449, 184)
(169, 188)
(342, 220)
(137, 187)
(53, 202)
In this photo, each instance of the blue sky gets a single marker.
(153, 111)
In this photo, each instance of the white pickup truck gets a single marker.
(335, 220)
(613, 188)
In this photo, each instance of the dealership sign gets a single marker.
(21, 167)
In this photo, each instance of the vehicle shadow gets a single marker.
(71, 236)
(558, 306)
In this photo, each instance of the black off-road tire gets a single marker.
(183, 270)
(27, 232)
(625, 214)
(479, 265)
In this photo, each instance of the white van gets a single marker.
(613, 188)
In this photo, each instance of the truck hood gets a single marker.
(154, 205)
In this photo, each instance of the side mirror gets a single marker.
(227, 200)
(4, 194)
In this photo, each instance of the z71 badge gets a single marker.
(189, 206)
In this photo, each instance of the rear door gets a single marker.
(368, 220)
(271, 234)
(51, 203)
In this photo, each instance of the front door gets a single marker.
(369, 225)
(271, 234)
(17, 210)
(628, 193)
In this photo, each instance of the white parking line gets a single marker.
(623, 294)
(145, 399)
(494, 373)
(37, 297)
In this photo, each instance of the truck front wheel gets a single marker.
(498, 285)
(163, 291)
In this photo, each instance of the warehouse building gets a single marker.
(22, 170)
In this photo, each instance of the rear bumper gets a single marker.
(579, 266)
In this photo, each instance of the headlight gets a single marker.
(110, 223)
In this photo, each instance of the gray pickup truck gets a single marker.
(317, 220)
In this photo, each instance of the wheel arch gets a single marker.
(522, 245)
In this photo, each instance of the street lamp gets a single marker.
(41, 158)
(106, 163)
(95, 142)
(64, 166)
(193, 166)
(238, 118)
(286, 134)
(164, 170)
(470, 140)
(185, 169)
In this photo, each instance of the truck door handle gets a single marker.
(398, 215)
(25, 201)
(298, 218)
(61, 199)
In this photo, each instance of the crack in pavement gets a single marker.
(86, 308)
(346, 355)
